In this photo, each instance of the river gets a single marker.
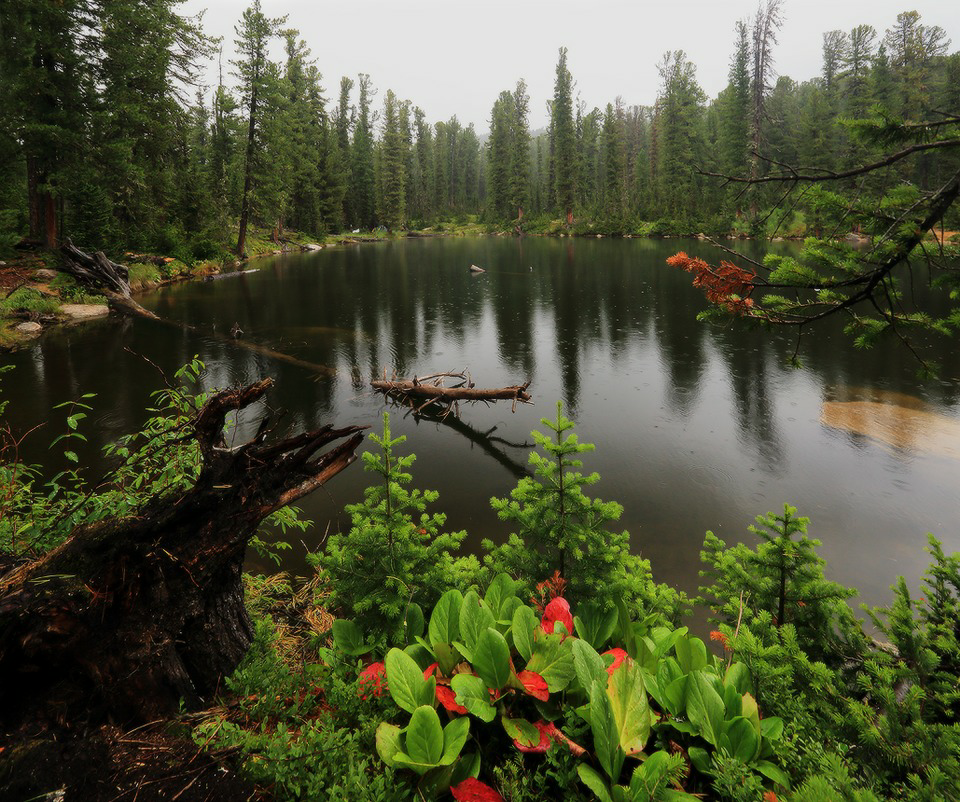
(697, 427)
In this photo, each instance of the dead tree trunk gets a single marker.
(420, 393)
(96, 270)
(129, 616)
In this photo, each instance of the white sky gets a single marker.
(450, 57)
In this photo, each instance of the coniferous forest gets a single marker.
(138, 660)
(108, 139)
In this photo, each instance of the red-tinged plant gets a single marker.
(472, 790)
(534, 685)
(719, 637)
(448, 699)
(547, 591)
(557, 610)
(619, 655)
(373, 681)
(725, 284)
(550, 734)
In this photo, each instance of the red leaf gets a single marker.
(373, 680)
(534, 684)
(545, 737)
(619, 655)
(557, 610)
(472, 790)
(448, 699)
(429, 670)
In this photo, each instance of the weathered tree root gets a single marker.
(421, 392)
(130, 616)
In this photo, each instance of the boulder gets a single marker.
(45, 274)
(29, 328)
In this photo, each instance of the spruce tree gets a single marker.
(559, 529)
(393, 163)
(519, 151)
(362, 192)
(395, 553)
(254, 33)
(563, 141)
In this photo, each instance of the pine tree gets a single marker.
(560, 529)
(395, 553)
(520, 151)
(499, 155)
(563, 141)
(362, 192)
(781, 581)
(253, 72)
(614, 165)
(393, 165)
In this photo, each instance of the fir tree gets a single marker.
(393, 165)
(395, 554)
(563, 141)
(560, 529)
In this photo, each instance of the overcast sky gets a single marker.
(450, 57)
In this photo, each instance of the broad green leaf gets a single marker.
(491, 658)
(595, 625)
(700, 758)
(473, 694)
(388, 741)
(625, 626)
(454, 737)
(587, 664)
(447, 657)
(750, 711)
(507, 609)
(691, 653)
(744, 743)
(665, 639)
(594, 781)
(445, 620)
(773, 772)
(675, 695)
(704, 707)
(738, 675)
(521, 730)
(475, 618)
(606, 740)
(732, 702)
(406, 683)
(413, 622)
(524, 625)
(552, 659)
(424, 737)
(771, 728)
(500, 591)
(631, 711)
(348, 638)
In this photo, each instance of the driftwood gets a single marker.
(130, 616)
(419, 393)
(97, 271)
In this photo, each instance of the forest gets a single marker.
(108, 137)
(139, 660)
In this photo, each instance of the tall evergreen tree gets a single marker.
(252, 71)
(563, 144)
(362, 196)
(520, 150)
(393, 161)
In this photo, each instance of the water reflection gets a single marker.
(696, 427)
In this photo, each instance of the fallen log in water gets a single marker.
(420, 393)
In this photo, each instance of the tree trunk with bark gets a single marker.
(130, 616)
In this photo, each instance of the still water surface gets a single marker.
(696, 427)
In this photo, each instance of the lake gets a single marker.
(697, 427)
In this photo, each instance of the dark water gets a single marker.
(696, 427)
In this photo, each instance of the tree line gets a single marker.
(108, 137)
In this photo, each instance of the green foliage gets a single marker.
(560, 529)
(630, 703)
(29, 303)
(780, 582)
(395, 555)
